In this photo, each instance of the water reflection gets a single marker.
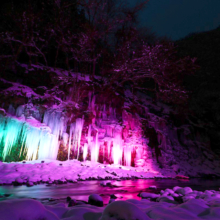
(125, 189)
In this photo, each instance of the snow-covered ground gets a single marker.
(32, 172)
(177, 203)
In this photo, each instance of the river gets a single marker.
(125, 189)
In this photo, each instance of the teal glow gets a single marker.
(32, 142)
(10, 131)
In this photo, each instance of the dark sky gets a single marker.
(178, 18)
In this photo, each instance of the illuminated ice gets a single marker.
(127, 155)
(85, 151)
(35, 139)
(10, 132)
(55, 121)
(65, 138)
(94, 147)
(77, 133)
(42, 140)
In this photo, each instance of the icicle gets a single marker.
(85, 151)
(2, 127)
(44, 145)
(109, 148)
(95, 149)
(65, 138)
(11, 130)
(89, 135)
(30, 137)
(97, 146)
(54, 146)
(117, 150)
(56, 122)
(39, 141)
(33, 138)
(70, 139)
(127, 155)
(77, 133)
(103, 151)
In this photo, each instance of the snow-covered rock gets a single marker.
(145, 195)
(96, 200)
(164, 208)
(168, 199)
(123, 210)
(184, 191)
(28, 209)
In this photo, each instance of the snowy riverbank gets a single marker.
(53, 171)
(177, 203)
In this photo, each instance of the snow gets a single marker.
(183, 191)
(177, 203)
(123, 210)
(168, 199)
(25, 209)
(73, 170)
(145, 195)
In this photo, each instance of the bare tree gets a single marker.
(105, 18)
(155, 68)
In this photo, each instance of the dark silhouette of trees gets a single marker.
(96, 37)
(155, 68)
(204, 102)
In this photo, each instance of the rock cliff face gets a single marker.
(46, 113)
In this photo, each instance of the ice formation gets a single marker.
(75, 135)
(103, 137)
(34, 138)
(10, 131)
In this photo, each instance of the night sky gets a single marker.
(177, 18)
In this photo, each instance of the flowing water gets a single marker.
(125, 189)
